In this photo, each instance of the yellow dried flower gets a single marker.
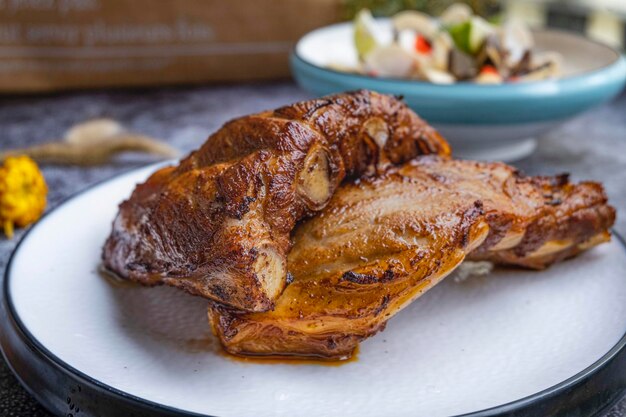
(22, 193)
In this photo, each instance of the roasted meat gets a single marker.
(381, 242)
(355, 203)
(533, 221)
(218, 225)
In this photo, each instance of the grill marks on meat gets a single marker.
(382, 242)
(219, 224)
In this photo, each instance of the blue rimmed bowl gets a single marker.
(498, 122)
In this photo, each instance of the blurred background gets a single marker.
(51, 45)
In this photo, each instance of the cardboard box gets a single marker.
(50, 45)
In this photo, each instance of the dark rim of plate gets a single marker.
(33, 343)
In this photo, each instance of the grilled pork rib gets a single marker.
(533, 221)
(381, 242)
(386, 222)
(218, 225)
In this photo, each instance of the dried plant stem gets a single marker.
(93, 152)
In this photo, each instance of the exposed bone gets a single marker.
(595, 240)
(377, 129)
(556, 246)
(509, 241)
(269, 268)
(314, 183)
(550, 248)
(555, 250)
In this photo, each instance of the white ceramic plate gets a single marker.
(461, 348)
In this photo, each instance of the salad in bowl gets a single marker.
(456, 46)
(491, 89)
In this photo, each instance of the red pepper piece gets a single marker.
(489, 69)
(422, 45)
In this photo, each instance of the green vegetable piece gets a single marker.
(479, 31)
(469, 36)
(364, 39)
(461, 36)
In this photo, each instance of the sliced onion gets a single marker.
(442, 45)
(436, 76)
(455, 14)
(416, 21)
(365, 39)
(479, 32)
(390, 61)
(406, 39)
(516, 39)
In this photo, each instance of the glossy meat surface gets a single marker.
(377, 246)
(218, 225)
(382, 242)
(534, 221)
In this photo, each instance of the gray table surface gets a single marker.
(592, 146)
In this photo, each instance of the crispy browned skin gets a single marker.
(218, 225)
(381, 243)
(534, 221)
(377, 246)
